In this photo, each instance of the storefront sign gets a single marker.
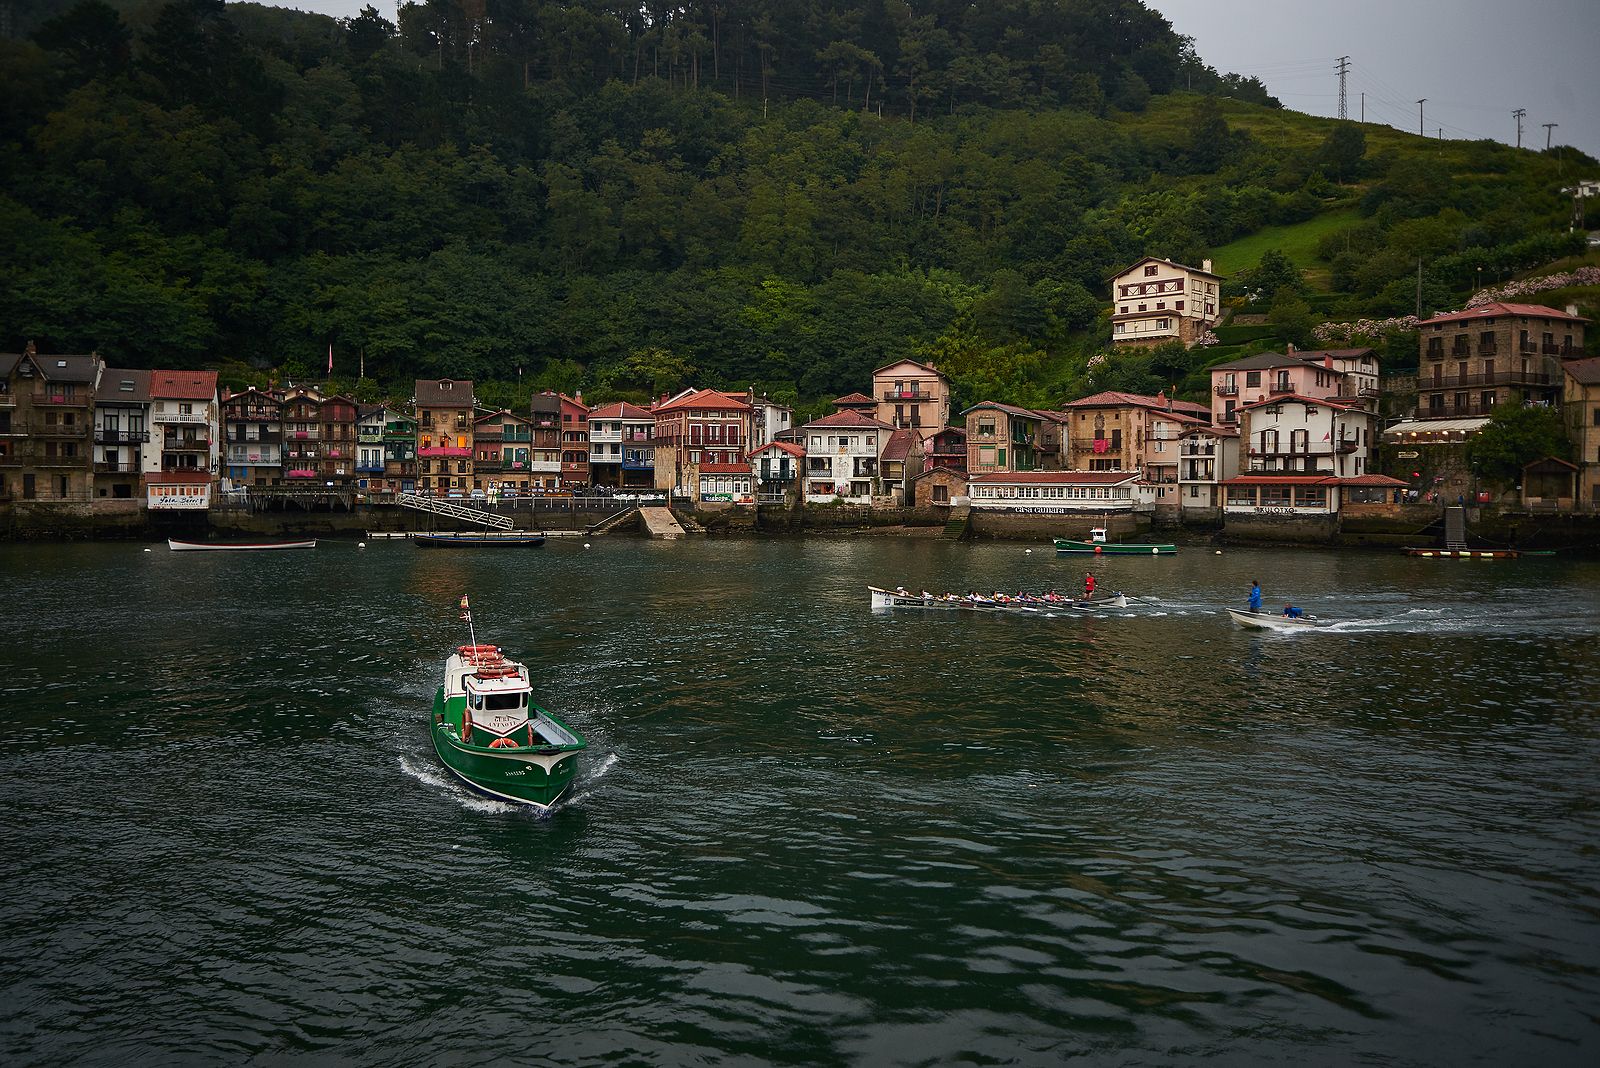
(185, 497)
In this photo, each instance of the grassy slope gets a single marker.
(1297, 241)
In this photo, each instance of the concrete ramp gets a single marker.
(1455, 527)
(659, 523)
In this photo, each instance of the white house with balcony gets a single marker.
(620, 450)
(1290, 433)
(1156, 300)
(842, 452)
(1207, 457)
(185, 440)
(1349, 376)
(777, 467)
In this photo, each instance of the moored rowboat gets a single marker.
(471, 539)
(236, 546)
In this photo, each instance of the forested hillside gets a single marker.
(761, 192)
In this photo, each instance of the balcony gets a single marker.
(176, 463)
(253, 459)
(1098, 446)
(1364, 393)
(182, 418)
(103, 436)
(7, 400)
(1498, 378)
(65, 400)
(369, 436)
(182, 444)
(370, 467)
(1198, 450)
(914, 396)
(251, 415)
(61, 461)
(1487, 349)
(638, 462)
(459, 451)
(126, 467)
(80, 430)
(1226, 390)
(1280, 388)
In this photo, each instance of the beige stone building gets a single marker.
(1474, 360)
(445, 417)
(1581, 401)
(911, 395)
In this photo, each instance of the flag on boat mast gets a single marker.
(466, 610)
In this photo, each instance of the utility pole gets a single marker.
(1363, 108)
(1419, 287)
(1344, 67)
(1518, 114)
(1421, 102)
(1547, 128)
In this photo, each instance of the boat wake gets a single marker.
(452, 789)
(587, 784)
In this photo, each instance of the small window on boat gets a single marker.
(501, 701)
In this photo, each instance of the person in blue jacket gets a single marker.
(1255, 596)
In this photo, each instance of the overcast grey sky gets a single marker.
(1475, 60)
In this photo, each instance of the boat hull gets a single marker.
(475, 541)
(1097, 548)
(1466, 554)
(1274, 621)
(238, 547)
(534, 776)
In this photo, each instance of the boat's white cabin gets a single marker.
(461, 678)
(1097, 534)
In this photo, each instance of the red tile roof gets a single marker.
(852, 400)
(1057, 478)
(898, 446)
(620, 410)
(1498, 310)
(1296, 398)
(703, 398)
(183, 385)
(848, 420)
(1312, 480)
(1371, 480)
(1115, 398)
(787, 446)
(179, 478)
(1584, 372)
(724, 469)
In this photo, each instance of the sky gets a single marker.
(1474, 60)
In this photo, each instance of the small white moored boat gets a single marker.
(1275, 620)
(236, 546)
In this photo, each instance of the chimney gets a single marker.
(1327, 361)
(577, 395)
(1205, 265)
(1290, 350)
(1572, 310)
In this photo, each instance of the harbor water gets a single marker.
(804, 833)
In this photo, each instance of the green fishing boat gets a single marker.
(1098, 544)
(488, 731)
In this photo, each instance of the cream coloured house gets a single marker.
(1156, 300)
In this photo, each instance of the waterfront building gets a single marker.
(939, 487)
(1475, 360)
(842, 454)
(337, 417)
(620, 452)
(46, 410)
(544, 464)
(911, 395)
(504, 444)
(575, 472)
(370, 420)
(185, 420)
(301, 407)
(1065, 492)
(445, 409)
(1207, 456)
(776, 466)
(1309, 498)
(947, 448)
(769, 419)
(121, 434)
(1002, 437)
(399, 454)
(1581, 405)
(1346, 375)
(901, 459)
(701, 431)
(1118, 431)
(1156, 300)
(252, 429)
(1310, 435)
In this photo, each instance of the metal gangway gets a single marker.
(439, 506)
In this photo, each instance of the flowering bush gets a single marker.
(1368, 328)
(1583, 276)
(1205, 338)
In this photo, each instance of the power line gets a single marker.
(1548, 126)
(1420, 102)
(1518, 114)
(1344, 68)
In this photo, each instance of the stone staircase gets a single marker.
(437, 506)
(955, 528)
(606, 526)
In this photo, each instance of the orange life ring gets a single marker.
(503, 743)
(466, 725)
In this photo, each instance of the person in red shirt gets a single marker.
(1088, 585)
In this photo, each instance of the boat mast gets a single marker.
(466, 617)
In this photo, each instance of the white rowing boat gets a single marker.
(236, 546)
(1276, 621)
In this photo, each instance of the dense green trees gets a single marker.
(1514, 437)
(575, 194)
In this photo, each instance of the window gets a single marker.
(1252, 379)
(1150, 271)
(1178, 305)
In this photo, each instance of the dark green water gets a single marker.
(805, 833)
